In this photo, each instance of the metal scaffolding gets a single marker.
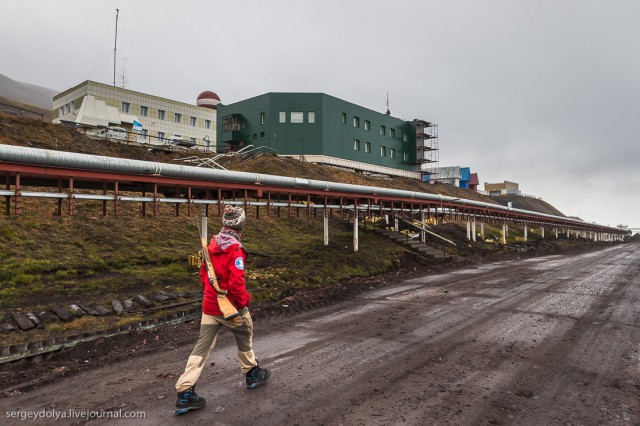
(427, 149)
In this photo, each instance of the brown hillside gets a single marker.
(34, 133)
(527, 203)
(11, 107)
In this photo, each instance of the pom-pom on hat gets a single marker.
(233, 218)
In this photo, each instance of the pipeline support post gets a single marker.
(204, 222)
(473, 229)
(326, 228)
(7, 198)
(156, 202)
(17, 203)
(59, 202)
(71, 206)
(355, 226)
(504, 232)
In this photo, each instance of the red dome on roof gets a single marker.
(208, 99)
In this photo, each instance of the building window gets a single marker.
(161, 114)
(392, 153)
(126, 107)
(297, 117)
(177, 117)
(193, 140)
(73, 105)
(356, 145)
(283, 117)
(383, 130)
(263, 118)
(367, 125)
(144, 111)
(356, 121)
(343, 118)
(231, 123)
(383, 151)
(405, 157)
(311, 117)
(367, 147)
(161, 135)
(262, 134)
(392, 133)
(193, 121)
(145, 134)
(207, 124)
(405, 137)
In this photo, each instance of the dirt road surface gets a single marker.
(550, 340)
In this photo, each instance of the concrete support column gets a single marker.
(543, 232)
(355, 228)
(326, 230)
(505, 229)
(473, 229)
(525, 232)
(204, 223)
(468, 230)
(556, 232)
(482, 230)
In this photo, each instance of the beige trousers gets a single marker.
(209, 328)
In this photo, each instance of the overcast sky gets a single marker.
(544, 93)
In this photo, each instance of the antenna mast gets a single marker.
(115, 44)
(388, 112)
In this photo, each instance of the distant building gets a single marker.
(322, 129)
(504, 188)
(91, 105)
(474, 182)
(457, 176)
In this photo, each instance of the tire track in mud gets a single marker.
(450, 349)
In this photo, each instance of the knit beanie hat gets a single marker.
(233, 218)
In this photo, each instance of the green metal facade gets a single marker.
(317, 124)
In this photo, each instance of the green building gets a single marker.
(323, 129)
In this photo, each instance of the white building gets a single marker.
(94, 106)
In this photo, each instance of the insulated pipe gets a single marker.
(51, 158)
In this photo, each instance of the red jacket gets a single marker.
(228, 258)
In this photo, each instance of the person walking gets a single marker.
(228, 257)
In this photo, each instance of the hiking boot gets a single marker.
(190, 400)
(257, 376)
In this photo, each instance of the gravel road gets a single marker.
(550, 340)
